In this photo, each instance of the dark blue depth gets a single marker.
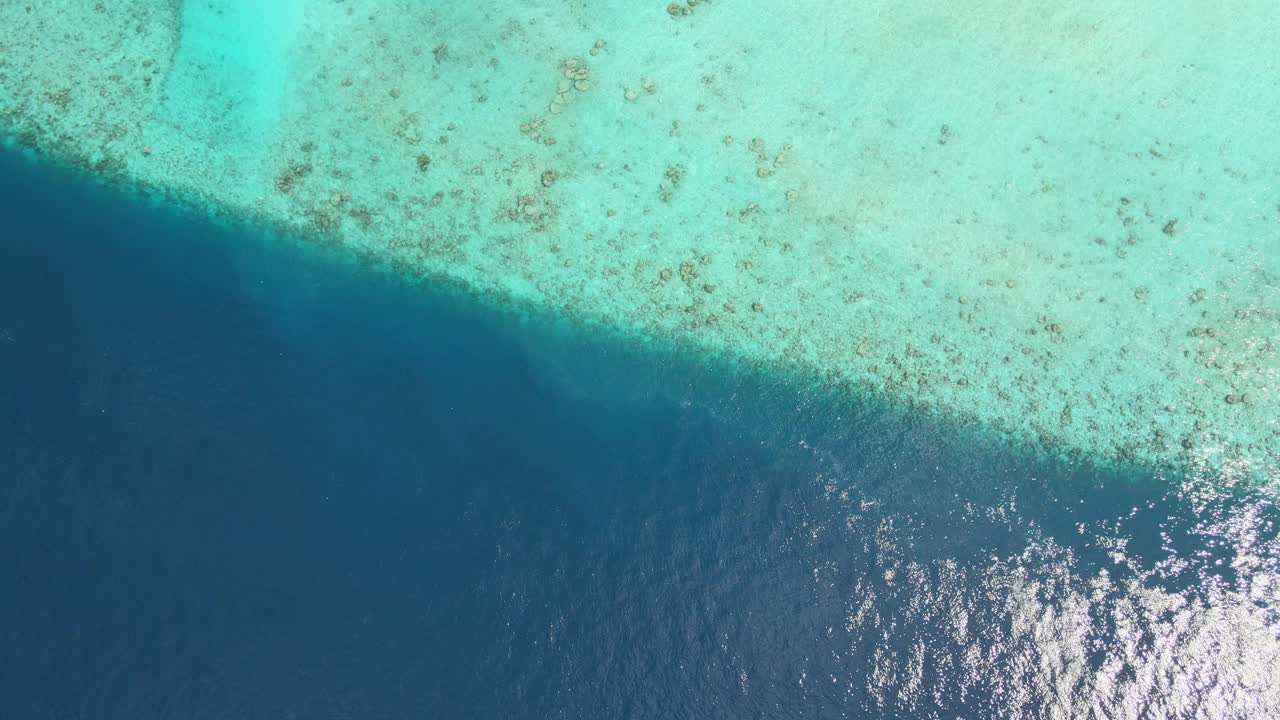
(242, 483)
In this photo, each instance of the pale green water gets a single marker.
(229, 73)
(1061, 223)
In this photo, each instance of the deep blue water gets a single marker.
(240, 481)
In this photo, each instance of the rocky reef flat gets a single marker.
(1060, 225)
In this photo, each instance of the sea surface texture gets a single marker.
(243, 480)
(369, 359)
(1058, 223)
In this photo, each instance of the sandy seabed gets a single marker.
(1058, 225)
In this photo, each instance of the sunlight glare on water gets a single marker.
(639, 359)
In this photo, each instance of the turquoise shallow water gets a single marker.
(1058, 226)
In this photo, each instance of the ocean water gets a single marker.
(247, 479)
